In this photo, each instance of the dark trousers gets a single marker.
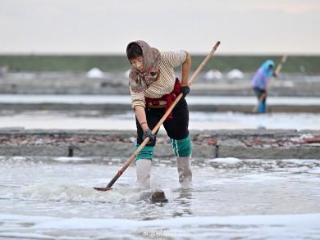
(176, 127)
(262, 103)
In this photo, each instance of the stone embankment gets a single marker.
(246, 144)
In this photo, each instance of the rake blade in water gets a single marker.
(102, 189)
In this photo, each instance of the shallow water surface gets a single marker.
(50, 198)
(125, 121)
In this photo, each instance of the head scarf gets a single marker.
(263, 75)
(265, 68)
(139, 81)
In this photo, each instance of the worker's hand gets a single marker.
(185, 90)
(274, 74)
(148, 133)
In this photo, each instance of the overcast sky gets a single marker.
(106, 26)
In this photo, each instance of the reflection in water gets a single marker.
(184, 201)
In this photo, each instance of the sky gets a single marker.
(106, 26)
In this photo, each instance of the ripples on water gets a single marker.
(45, 198)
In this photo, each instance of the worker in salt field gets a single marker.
(260, 84)
(153, 88)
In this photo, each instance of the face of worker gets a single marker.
(137, 63)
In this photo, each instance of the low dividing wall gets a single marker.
(247, 144)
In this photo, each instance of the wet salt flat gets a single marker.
(124, 121)
(120, 99)
(52, 198)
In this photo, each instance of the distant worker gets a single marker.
(260, 84)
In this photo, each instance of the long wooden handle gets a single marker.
(164, 117)
(279, 67)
